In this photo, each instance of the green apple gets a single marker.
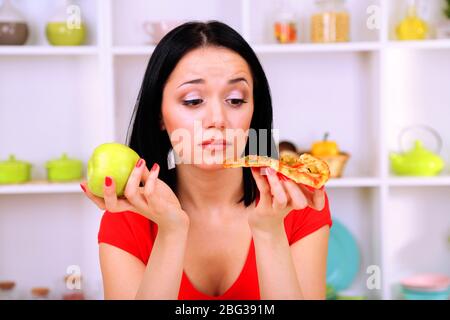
(113, 160)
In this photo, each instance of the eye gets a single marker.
(237, 102)
(192, 102)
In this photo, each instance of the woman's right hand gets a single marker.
(155, 200)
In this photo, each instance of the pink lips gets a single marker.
(215, 144)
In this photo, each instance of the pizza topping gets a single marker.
(304, 169)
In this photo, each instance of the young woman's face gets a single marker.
(207, 106)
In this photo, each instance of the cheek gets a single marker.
(175, 118)
(240, 124)
(180, 128)
(241, 119)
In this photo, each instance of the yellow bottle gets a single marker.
(412, 27)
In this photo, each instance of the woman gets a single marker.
(199, 231)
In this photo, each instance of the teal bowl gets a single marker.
(409, 294)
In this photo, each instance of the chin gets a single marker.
(211, 163)
(209, 167)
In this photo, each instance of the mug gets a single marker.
(158, 29)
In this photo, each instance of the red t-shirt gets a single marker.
(135, 234)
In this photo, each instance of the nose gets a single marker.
(216, 117)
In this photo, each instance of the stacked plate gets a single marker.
(427, 286)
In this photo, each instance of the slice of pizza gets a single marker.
(304, 169)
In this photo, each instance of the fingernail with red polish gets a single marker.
(108, 181)
(139, 163)
(83, 188)
(155, 166)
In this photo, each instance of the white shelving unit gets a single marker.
(70, 99)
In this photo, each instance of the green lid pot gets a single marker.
(14, 171)
(64, 169)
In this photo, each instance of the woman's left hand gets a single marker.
(278, 195)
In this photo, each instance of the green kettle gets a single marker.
(418, 161)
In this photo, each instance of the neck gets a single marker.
(208, 192)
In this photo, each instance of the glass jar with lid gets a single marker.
(13, 26)
(330, 22)
(285, 23)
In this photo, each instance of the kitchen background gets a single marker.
(379, 84)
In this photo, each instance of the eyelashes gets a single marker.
(193, 102)
(196, 102)
(237, 102)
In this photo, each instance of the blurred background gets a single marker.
(363, 84)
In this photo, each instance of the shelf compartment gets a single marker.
(417, 94)
(128, 28)
(42, 116)
(416, 234)
(38, 13)
(357, 209)
(261, 27)
(56, 231)
(331, 92)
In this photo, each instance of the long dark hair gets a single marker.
(152, 143)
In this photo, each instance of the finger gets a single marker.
(265, 197)
(99, 202)
(132, 189)
(298, 199)
(315, 197)
(150, 183)
(109, 194)
(280, 199)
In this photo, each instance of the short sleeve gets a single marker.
(300, 223)
(128, 231)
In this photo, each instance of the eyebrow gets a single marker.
(232, 81)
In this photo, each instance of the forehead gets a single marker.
(210, 62)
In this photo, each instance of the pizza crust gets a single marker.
(304, 169)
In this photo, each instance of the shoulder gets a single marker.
(300, 223)
(128, 231)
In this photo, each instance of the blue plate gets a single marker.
(343, 261)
